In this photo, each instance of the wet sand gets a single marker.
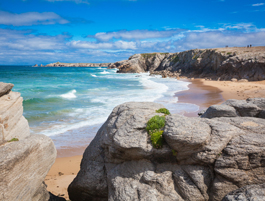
(201, 92)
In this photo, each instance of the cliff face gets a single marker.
(25, 159)
(221, 63)
(219, 156)
(58, 64)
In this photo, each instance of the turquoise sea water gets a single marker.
(70, 104)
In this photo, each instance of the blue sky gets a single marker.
(46, 31)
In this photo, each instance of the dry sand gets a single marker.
(203, 93)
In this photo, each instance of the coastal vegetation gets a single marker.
(155, 128)
(13, 140)
(163, 110)
(148, 55)
(175, 59)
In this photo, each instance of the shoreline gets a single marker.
(201, 92)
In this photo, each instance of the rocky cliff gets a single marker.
(25, 159)
(218, 64)
(219, 156)
(59, 64)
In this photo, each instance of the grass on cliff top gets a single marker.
(163, 110)
(148, 55)
(13, 140)
(175, 59)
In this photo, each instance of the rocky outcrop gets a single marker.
(25, 159)
(252, 107)
(59, 64)
(252, 192)
(201, 158)
(217, 64)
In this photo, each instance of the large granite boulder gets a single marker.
(253, 107)
(201, 158)
(12, 122)
(24, 159)
(24, 165)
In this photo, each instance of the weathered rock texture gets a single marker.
(25, 163)
(218, 64)
(251, 193)
(59, 64)
(213, 156)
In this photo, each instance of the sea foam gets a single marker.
(69, 95)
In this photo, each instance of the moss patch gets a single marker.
(155, 123)
(157, 139)
(13, 140)
(163, 110)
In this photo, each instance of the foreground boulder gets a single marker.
(201, 158)
(24, 165)
(24, 159)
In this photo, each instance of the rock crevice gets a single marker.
(214, 155)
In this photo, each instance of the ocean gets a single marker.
(70, 104)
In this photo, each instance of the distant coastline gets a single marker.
(230, 63)
(59, 64)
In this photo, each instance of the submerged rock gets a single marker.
(201, 159)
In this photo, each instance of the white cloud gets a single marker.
(103, 45)
(23, 46)
(258, 4)
(30, 18)
(24, 40)
(76, 1)
(219, 39)
(136, 34)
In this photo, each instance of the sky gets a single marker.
(96, 31)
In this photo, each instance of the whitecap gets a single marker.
(104, 72)
(93, 75)
(69, 95)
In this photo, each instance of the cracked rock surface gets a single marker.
(214, 156)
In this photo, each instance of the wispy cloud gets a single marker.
(30, 18)
(258, 4)
(135, 34)
(23, 46)
(25, 40)
(103, 45)
(75, 1)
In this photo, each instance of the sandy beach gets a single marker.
(201, 92)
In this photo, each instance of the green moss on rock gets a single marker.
(163, 110)
(157, 139)
(156, 122)
(13, 140)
